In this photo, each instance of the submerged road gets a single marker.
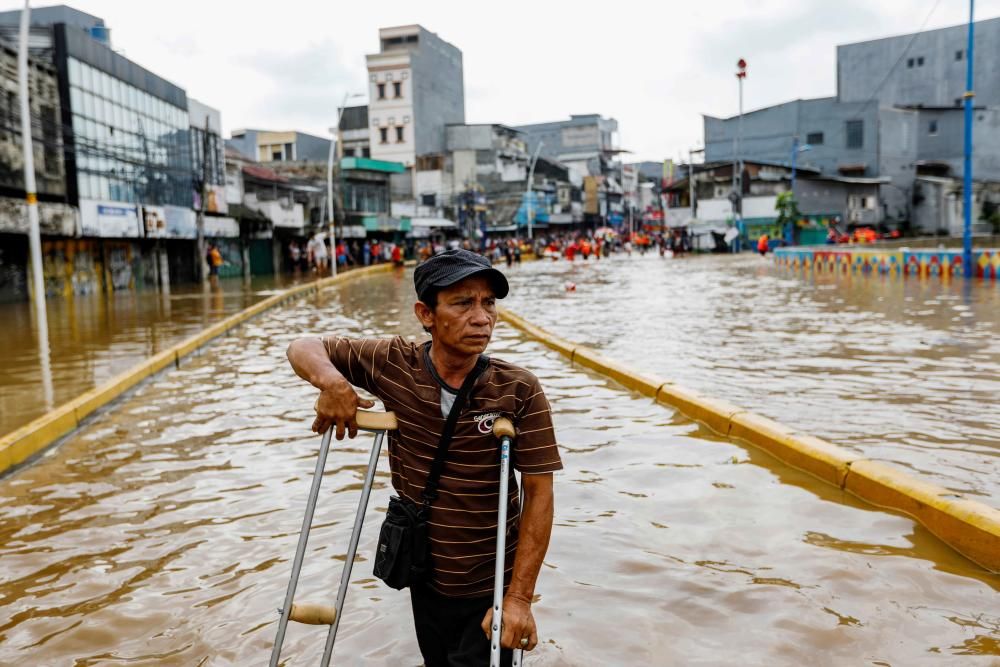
(899, 369)
(162, 532)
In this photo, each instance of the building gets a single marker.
(588, 146)
(415, 89)
(280, 146)
(354, 133)
(897, 116)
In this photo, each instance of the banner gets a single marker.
(109, 219)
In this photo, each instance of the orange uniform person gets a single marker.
(762, 244)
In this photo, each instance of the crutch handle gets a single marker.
(502, 427)
(376, 421)
(368, 420)
(312, 614)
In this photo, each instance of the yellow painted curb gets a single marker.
(805, 452)
(971, 527)
(649, 386)
(558, 344)
(712, 412)
(23, 443)
(28, 440)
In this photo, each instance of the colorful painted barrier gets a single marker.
(920, 262)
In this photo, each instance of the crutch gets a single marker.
(503, 429)
(319, 614)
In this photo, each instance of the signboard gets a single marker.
(221, 228)
(215, 201)
(107, 219)
(154, 221)
(180, 222)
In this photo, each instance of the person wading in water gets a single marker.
(457, 292)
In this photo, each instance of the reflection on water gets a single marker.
(904, 370)
(94, 337)
(163, 532)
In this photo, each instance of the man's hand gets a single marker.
(337, 406)
(518, 624)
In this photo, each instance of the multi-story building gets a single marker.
(587, 145)
(415, 89)
(354, 133)
(280, 146)
(897, 116)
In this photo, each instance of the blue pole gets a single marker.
(967, 187)
(790, 226)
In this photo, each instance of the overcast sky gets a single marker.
(655, 66)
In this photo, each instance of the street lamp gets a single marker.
(741, 73)
(528, 188)
(335, 131)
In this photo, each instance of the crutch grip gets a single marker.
(376, 421)
(312, 614)
(502, 427)
(368, 420)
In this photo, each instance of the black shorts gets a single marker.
(449, 630)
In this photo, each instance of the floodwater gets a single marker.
(94, 337)
(162, 532)
(899, 369)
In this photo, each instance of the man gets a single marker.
(457, 292)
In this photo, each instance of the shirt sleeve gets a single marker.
(535, 450)
(360, 360)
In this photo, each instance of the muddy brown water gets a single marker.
(898, 369)
(162, 532)
(94, 337)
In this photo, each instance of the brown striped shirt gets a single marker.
(463, 520)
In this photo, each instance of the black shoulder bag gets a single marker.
(403, 553)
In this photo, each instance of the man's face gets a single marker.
(464, 318)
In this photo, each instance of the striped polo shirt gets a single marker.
(463, 520)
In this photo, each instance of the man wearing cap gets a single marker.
(457, 292)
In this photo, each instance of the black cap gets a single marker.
(451, 266)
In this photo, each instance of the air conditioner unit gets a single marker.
(854, 216)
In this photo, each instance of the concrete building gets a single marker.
(896, 116)
(280, 146)
(354, 132)
(416, 88)
(586, 142)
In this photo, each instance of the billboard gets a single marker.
(180, 222)
(154, 221)
(221, 228)
(107, 219)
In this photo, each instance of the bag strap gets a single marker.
(430, 488)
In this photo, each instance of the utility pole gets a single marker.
(31, 203)
(331, 207)
(967, 186)
(691, 201)
(528, 189)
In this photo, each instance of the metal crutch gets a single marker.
(503, 429)
(317, 614)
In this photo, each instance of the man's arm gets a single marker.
(338, 401)
(533, 542)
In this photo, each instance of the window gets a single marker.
(959, 54)
(909, 63)
(920, 61)
(814, 138)
(366, 152)
(348, 152)
(855, 130)
(399, 134)
(932, 128)
(406, 120)
(276, 155)
(388, 76)
(381, 91)
(397, 89)
(383, 135)
(958, 101)
(289, 151)
(373, 77)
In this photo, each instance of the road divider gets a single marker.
(28, 441)
(968, 526)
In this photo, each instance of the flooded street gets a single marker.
(904, 370)
(162, 532)
(94, 337)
